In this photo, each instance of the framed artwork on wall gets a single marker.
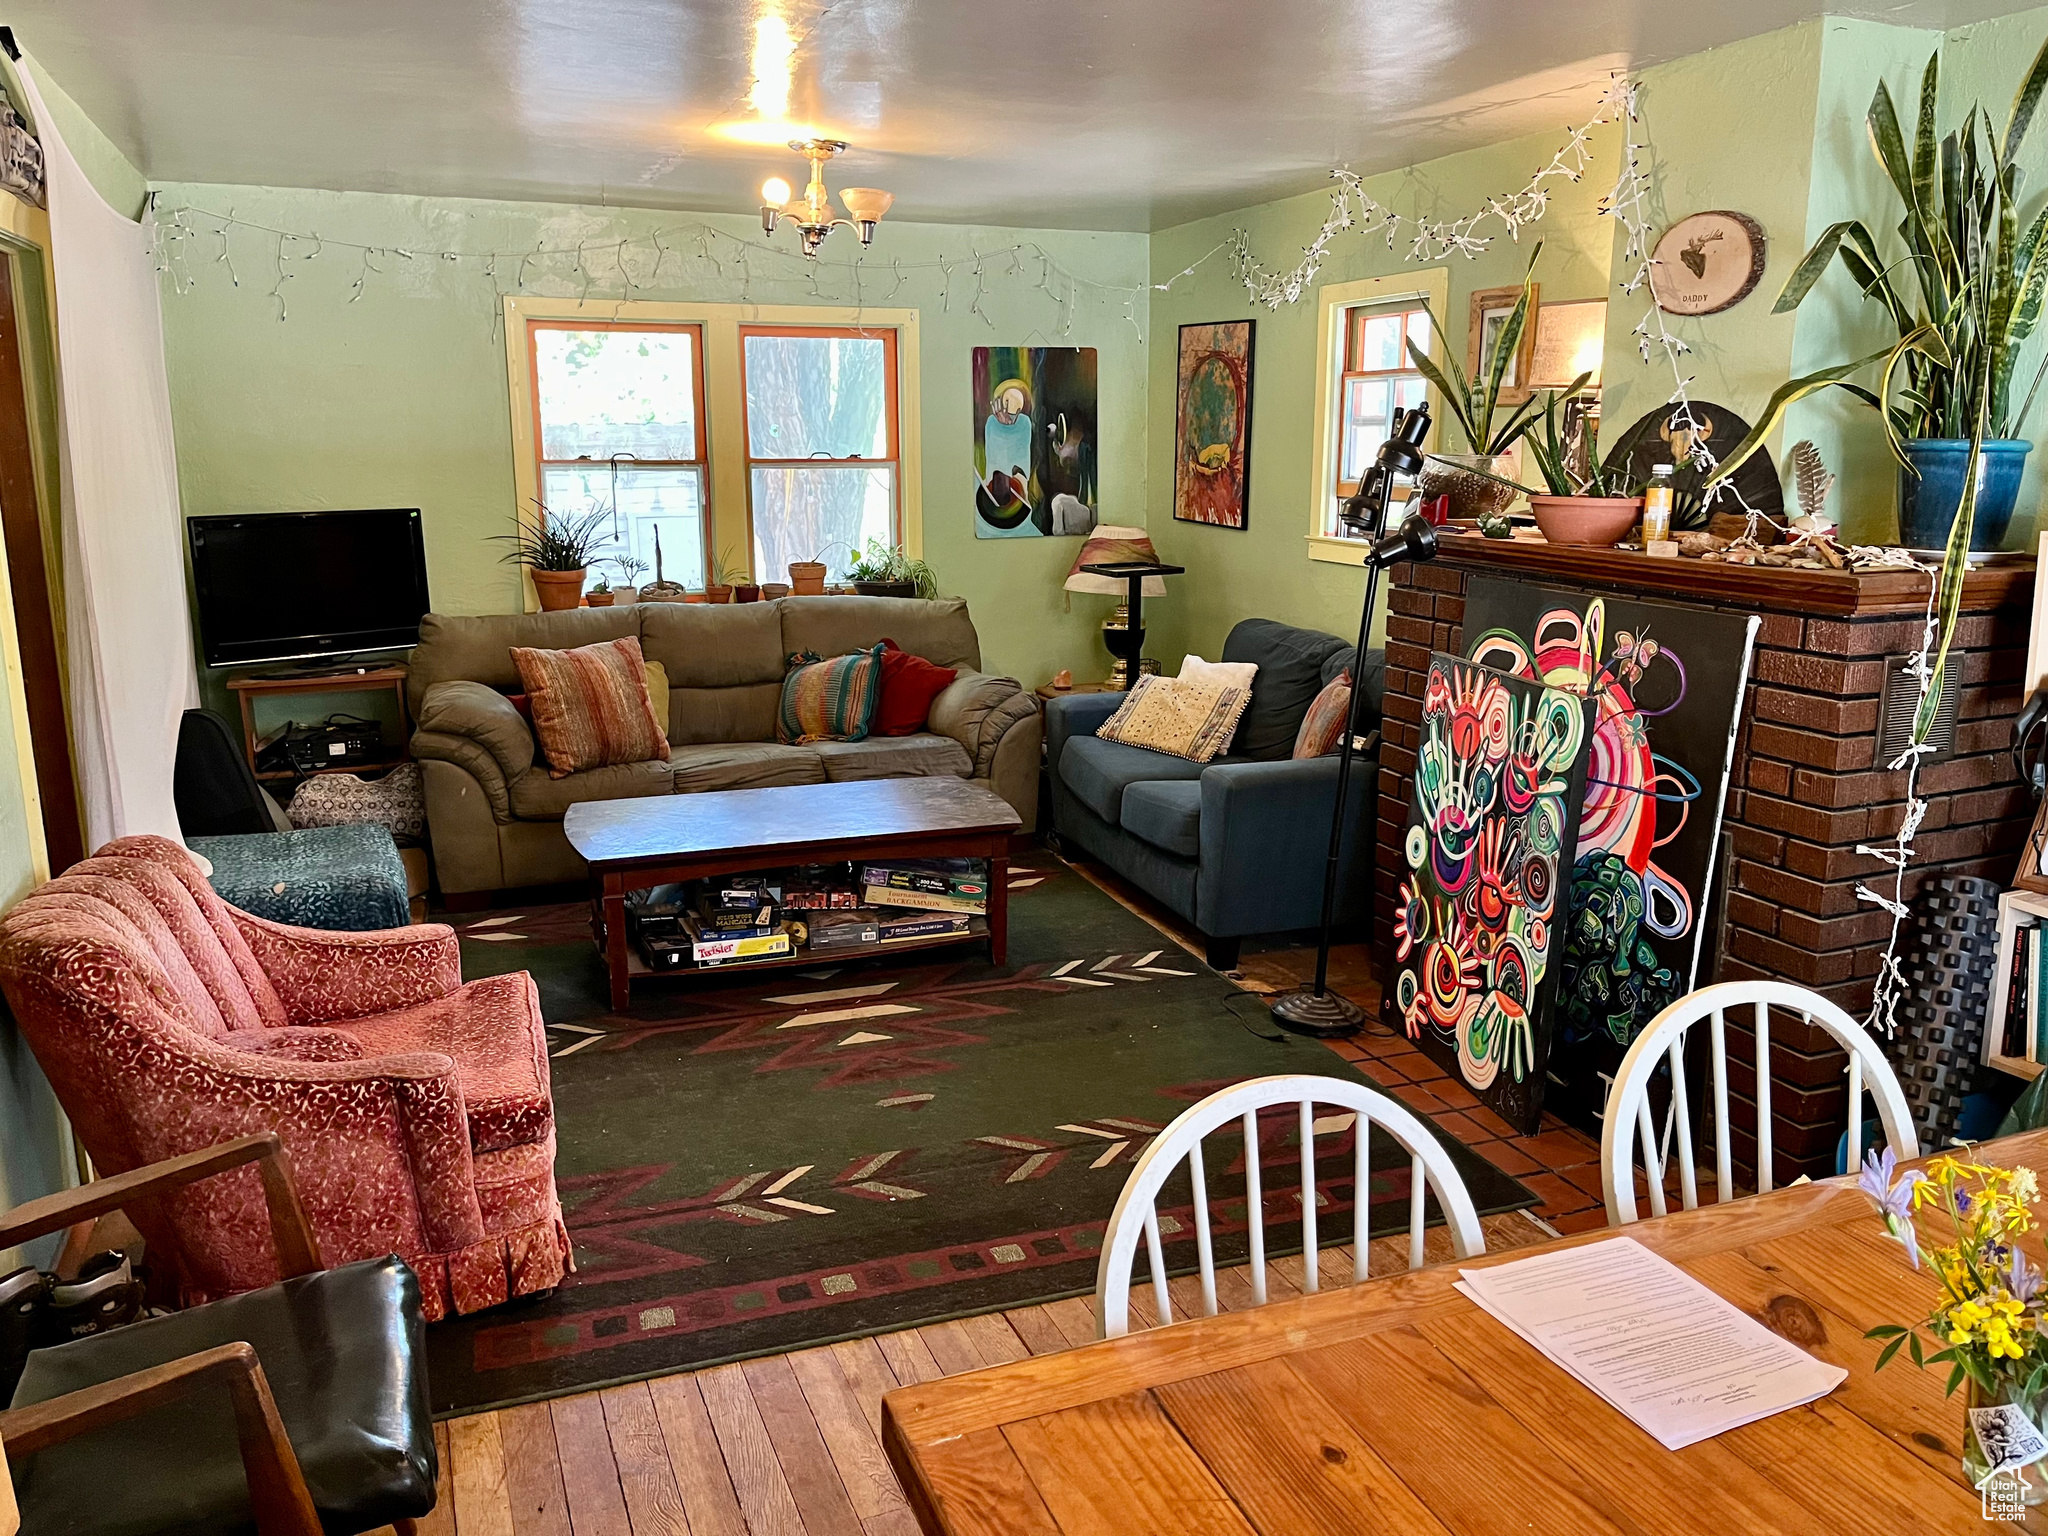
(1213, 424)
(1034, 442)
(1491, 308)
(1569, 341)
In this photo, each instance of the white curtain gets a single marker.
(129, 642)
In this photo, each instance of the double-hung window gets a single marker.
(620, 425)
(822, 443)
(1379, 378)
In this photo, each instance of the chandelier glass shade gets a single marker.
(812, 213)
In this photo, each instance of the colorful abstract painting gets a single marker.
(1213, 437)
(1498, 775)
(1665, 683)
(1034, 442)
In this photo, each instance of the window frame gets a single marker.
(1335, 304)
(1356, 317)
(728, 520)
(892, 417)
(702, 463)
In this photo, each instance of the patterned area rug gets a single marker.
(756, 1163)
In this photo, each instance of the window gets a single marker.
(822, 443)
(1379, 378)
(619, 417)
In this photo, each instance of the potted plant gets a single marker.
(1592, 504)
(1963, 295)
(661, 589)
(807, 577)
(725, 576)
(629, 568)
(884, 571)
(600, 594)
(557, 553)
(1473, 479)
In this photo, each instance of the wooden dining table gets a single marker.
(1399, 1406)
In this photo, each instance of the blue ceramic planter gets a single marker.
(1927, 504)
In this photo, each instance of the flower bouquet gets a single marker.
(1987, 1325)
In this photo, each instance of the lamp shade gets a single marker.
(1107, 545)
(867, 204)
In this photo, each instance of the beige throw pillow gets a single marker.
(1173, 715)
(1223, 674)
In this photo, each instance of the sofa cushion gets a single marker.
(1290, 663)
(591, 707)
(478, 647)
(1167, 813)
(538, 795)
(1322, 728)
(742, 765)
(909, 684)
(894, 757)
(742, 712)
(938, 629)
(714, 645)
(1099, 771)
(492, 1030)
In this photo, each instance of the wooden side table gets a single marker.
(252, 686)
(1049, 693)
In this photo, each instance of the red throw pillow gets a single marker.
(909, 684)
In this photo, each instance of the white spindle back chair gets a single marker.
(1628, 1119)
(1430, 1167)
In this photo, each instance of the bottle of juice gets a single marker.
(1657, 498)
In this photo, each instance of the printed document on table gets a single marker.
(1657, 1344)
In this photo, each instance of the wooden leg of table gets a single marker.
(999, 903)
(615, 947)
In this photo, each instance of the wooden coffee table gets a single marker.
(631, 845)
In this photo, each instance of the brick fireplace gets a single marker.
(1807, 784)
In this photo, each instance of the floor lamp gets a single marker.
(1316, 1010)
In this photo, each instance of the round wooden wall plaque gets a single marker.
(1707, 262)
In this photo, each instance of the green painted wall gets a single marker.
(118, 181)
(1265, 570)
(399, 398)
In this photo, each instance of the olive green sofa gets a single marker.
(495, 814)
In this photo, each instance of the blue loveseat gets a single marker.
(1236, 847)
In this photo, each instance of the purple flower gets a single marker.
(1894, 1201)
(2021, 1278)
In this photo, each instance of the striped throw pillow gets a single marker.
(1322, 728)
(829, 700)
(1175, 716)
(590, 705)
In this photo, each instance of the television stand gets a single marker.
(330, 679)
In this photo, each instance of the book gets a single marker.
(2013, 1041)
(835, 930)
(929, 901)
(737, 920)
(925, 925)
(2037, 988)
(707, 943)
(941, 877)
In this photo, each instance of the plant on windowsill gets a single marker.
(726, 576)
(884, 571)
(600, 594)
(661, 589)
(630, 568)
(1465, 477)
(557, 552)
(807, 577)
(1589, 505)
(1977, 279)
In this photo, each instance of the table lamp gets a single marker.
(1121, 562)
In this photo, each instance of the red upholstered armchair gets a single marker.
(416, 1109)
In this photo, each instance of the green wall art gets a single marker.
(1213, 424)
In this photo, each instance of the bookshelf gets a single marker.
(2015, 909)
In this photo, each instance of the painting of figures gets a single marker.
(1664, 683)
(1499, 773)
(1034, 442)
(1213, 438)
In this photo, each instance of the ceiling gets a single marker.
(1113, 114)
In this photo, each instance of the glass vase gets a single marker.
(1976, 1464)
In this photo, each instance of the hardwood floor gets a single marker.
(786, 1445)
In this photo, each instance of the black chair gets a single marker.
(299, 1409)
(212, 784)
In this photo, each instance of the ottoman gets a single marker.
(324, 877)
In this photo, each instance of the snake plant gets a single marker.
(1965, 292)
(1471, 406)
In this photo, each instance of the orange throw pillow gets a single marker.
(590, 705)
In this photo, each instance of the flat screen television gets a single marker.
(285, 586)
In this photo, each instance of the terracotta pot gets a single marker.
(771, 590)
(599, 599)
(718, 594)
(558, 589)
(746, 594)
(1596, 520)
(807, 577)
(1472, 495)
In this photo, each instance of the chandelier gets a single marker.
(812, 213)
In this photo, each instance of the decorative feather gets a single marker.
(1812, 480)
